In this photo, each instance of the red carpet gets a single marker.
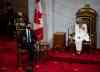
(8, 57)
(68, 57)
(58, 61)
(56, 66)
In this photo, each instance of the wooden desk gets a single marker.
(59, 40)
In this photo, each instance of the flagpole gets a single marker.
(67, 33)
(68, 37)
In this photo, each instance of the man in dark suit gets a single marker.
(29, 40)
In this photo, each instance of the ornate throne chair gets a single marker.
(88, 16)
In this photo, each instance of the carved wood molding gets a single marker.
(23, 6)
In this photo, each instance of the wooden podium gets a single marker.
(59, 40)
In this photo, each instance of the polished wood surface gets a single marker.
(59, 40)
(23, 6)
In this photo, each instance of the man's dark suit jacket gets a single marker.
(32, 35)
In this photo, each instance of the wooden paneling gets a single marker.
(23, 6)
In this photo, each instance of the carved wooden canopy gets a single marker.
(86, 11)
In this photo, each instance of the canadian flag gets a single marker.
(38, 20)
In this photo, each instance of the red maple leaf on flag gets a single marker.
(38, 20)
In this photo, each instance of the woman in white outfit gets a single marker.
(81, 34)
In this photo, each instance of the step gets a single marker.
(68, 57)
